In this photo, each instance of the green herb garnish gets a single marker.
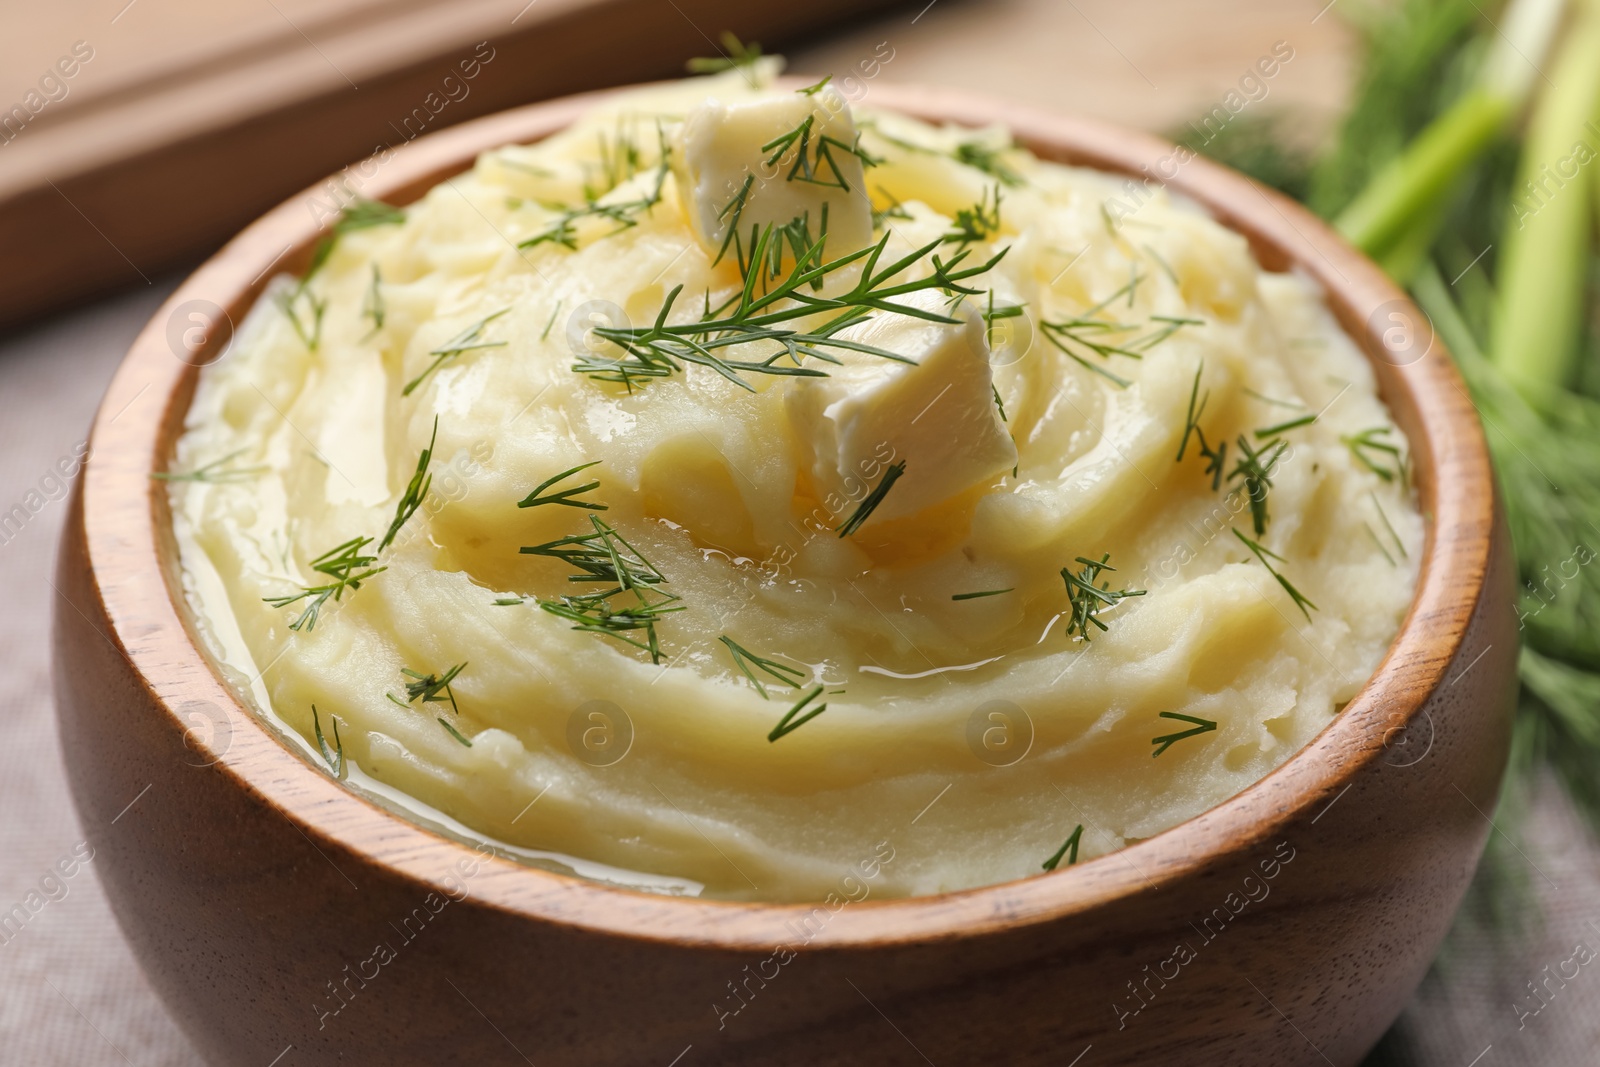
(453, 732)
(789, 723)
(1373, 451)
(739, 54)
(1276, 429)
(347, 565)
(813, 154)
(468, 340)
(372, 307)
(744, 659)
(1262, 553)
(980, 222)
(566, 496)
(216, 471)
(334, 755)
(1070, 846)
(605, 557)
(1201, 726)
(1253, 471)
(416, 491)
(982, 157)
(986, 592)
(428, 687)
(660, 349)
(870, 504)
(1088, 599)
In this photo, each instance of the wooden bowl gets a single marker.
(286, 920)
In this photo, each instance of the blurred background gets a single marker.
(136, 136)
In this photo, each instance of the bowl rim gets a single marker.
(131, 559)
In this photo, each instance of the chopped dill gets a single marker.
(334, 755)
(744, 659)
(1389, 526)
(552, 321)
(986, 592)
(468, 340)
(347, 565)
(416, 491)
(372, 307)
(1068, 850)
(982, 157)
(1371, 449)
(605, 557)
(789, 723)
(310, 334)
(562, 230)
(428, 687)
(980, 222)
(1284, 427)
(1253, 471)
(453, 732)
(813, 154)
(215, 472)
(566, 496)
(870, 503)
(1088, 599)
(1201, 726)
(738, 55)
(1262, 553)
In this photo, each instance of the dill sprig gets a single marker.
(744, 659)
(980, 222)
(1216, 458)
(982, 157)
(790, 722)
(565, 497)
(1389, 526)
(310, 334)
(870, 502)
(1374, 451)
(739, 55)
(429, 687)
(604, 556)
(1101, 337)
(1088, 599)
(1166, 741)
(468, 340)
(663, 349)
(813, 153)
(1253, 471)
(416, 491)
(1069, 850)
(984, 593)
(1279, 428)
(453, 732)
(217, 471)
(562, 230)
(359, 214)
(372, 306)
(348, 566)
(1262, 553)
(895, 210)
(660, 349)
(334, 755)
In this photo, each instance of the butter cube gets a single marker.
(937, 415)
(728, 180)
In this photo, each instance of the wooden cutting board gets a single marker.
(137, 135)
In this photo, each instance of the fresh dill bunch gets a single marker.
(813, 153)
(565, 497)
(430, 688)
(1088, 599)
(744, 659)
(1265, 555)
(468, 340)
(1068, 850)
(793, 719)
(738, 54)
(870, 502)
(1166, 741)
(215, 472)
(662, 349)
(347, 566)
(416, 491)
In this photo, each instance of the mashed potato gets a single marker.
(932, 577)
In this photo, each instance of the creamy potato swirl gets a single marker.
(974, 735)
